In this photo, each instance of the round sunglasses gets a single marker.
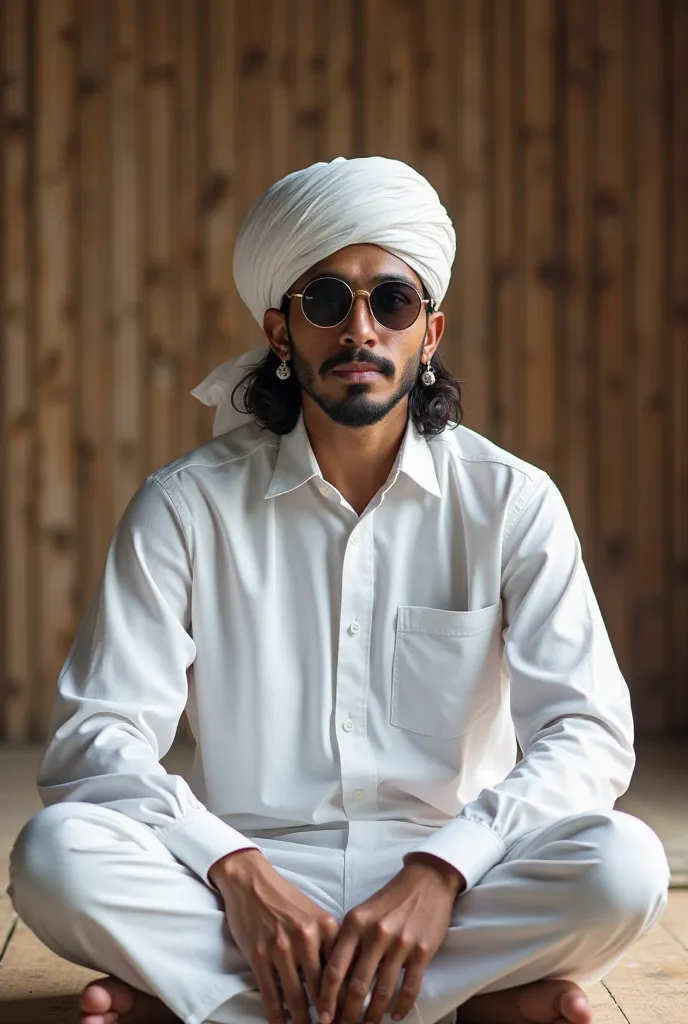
(327, 302)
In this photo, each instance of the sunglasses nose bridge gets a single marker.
(352, 305)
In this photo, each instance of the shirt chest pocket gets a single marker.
(447, 669)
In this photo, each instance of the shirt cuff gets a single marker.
(471, 847)
(200, 838)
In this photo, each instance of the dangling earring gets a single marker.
(283, 371)
(428, 377)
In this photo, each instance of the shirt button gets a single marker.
(358, 794)
(354, 628)
(347, 725)
(355, 539)
(324, 491)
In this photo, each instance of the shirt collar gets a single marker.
(296, 463)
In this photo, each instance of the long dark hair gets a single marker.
(275, 404)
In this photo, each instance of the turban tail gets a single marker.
(312, 213)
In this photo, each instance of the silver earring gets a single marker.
(428, 377)
(283, 371)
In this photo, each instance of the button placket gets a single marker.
(357, 765)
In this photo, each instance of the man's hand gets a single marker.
(400, 928)
(279, 930)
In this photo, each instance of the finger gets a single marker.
(383, 992)
(410, 989)
(329, 936)
(269, 990)
(310, 953)
(311, 970)
(293, 992)
(334, 972)
(361, 983)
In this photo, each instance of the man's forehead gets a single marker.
(364, 263)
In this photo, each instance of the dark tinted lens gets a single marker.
(326, 301)
(395, 305)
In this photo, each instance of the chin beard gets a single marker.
(357, 408)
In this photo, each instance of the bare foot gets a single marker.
(109, 1000)
(542, 1002)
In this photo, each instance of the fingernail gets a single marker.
(325, 1018)
(396, 1016)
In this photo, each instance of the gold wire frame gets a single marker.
(354, 296)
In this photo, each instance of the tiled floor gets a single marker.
(649, 986)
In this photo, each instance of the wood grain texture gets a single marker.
(18, 555)
(161, 242)
(135, 136)
(128, 361)
(678, 329)
(576, 349)
(652, 524)
(57, 569)
(506, 298)
(475, 350)
(94, 402)
(611, 357)
(541, 270)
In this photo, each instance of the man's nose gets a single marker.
(359, 326)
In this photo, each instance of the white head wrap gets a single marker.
(312, 213)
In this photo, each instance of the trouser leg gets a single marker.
(567, 901)
(101, 890)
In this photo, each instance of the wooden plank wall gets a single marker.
(136, 133)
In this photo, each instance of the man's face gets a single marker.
(320, 355)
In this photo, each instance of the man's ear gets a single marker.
(275, 329)
(436, 327)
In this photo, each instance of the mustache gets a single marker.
(385, 366)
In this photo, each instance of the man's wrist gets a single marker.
(451, 875)
(233, 865)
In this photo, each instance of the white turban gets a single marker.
(312, 213)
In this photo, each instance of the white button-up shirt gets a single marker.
(341, 670)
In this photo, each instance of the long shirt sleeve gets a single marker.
(124, 686)
(569, 701)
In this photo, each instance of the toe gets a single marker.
(576, 1008)
(95, 999)
(105, 999)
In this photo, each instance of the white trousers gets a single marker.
(566, 901)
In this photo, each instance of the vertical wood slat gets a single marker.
(437, 138)
(221, 183)
(539, 243)
(677, 713)
(341, 126)
(507, 291)
(253, 74)
(94, 448)
(190, 249)
(473, 226)
(128, 365)
(279, 38)
(17, 560)
(187, 24)
(651, 522)
(438, 103)
(162, 349)
(611, 291)
(56, 309)
(307, 132)
(390, 123)
(576, 349)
